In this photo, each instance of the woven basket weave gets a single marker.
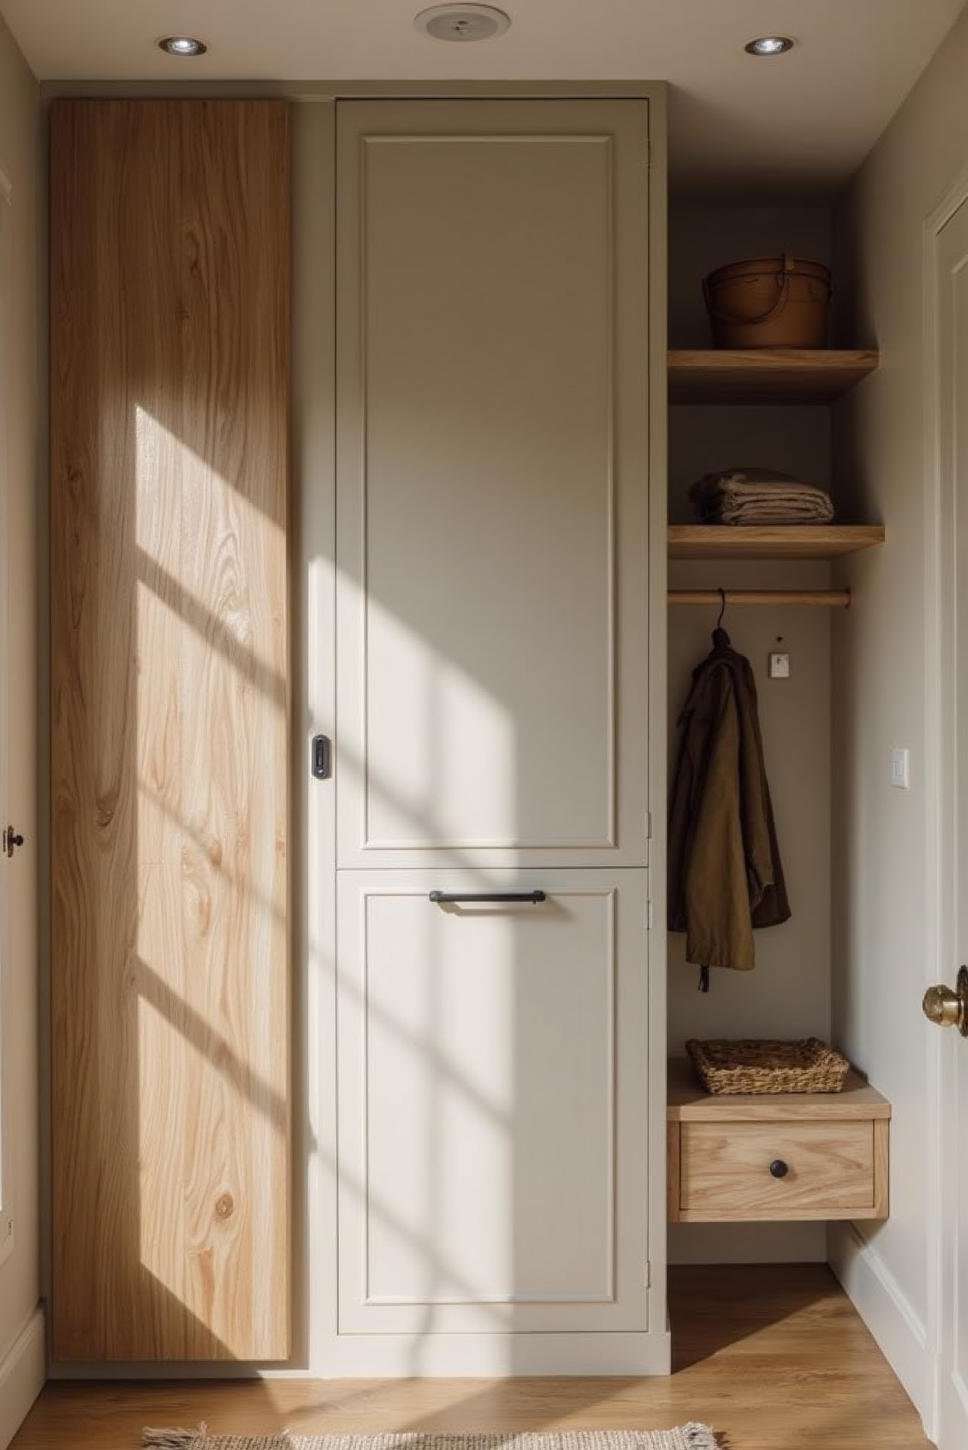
(809, 1066)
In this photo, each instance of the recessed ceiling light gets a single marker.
(183, 45)
(462, 22)
(770, 45)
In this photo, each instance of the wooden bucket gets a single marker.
(769, 302)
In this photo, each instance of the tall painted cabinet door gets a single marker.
(492, 482)
(492, 1082)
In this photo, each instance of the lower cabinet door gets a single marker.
(493, 1087)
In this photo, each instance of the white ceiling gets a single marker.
(799, 122)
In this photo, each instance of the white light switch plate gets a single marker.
(779, 667)
(901, 767)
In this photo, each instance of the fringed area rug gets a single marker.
(686, 1437)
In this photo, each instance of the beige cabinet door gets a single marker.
(492, 1102)
(492, 482)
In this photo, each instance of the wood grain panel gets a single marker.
(767, 375)
(170, 977)
(882, 1169)
(725, 1170)
(781, 541)
(673, 1170)
(689, 1099)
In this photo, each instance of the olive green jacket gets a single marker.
(725, 876)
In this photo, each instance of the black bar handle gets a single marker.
(442, 897)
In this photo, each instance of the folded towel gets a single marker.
(759, 496)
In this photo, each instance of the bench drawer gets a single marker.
(743, 1170)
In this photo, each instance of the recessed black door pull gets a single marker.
(442, 898)
(322, 754)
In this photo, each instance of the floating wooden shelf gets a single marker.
(776, 1157)
(788, 541)
(688, 1101)
(787, 375)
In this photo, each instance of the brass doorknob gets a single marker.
(947, 1008)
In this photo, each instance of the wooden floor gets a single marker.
(774, 1358)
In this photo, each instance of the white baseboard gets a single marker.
(431, 1356)
(22, 1375)
(392, 1356)
(885, 1309)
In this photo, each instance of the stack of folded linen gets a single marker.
(758, 496)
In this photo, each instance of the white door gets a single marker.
(492, 482)
(492, 1083)
(951, 322)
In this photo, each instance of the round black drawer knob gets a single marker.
(778, 1168)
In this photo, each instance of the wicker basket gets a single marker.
(809, 1066)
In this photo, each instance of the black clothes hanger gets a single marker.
(720, 637)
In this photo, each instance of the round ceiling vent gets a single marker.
(462, 22)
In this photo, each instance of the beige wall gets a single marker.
(23, 479)
(880, 900)
(788, 995)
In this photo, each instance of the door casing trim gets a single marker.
(939, 726)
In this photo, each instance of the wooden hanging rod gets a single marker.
(823, 598)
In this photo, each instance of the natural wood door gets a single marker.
(170, 990)
(493, 1077)
(492, 462)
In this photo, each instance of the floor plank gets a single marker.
(773, 1357)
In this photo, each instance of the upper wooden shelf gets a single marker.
(787, 375)
(786, 541)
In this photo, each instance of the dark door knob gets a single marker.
(11, 840)
(778, 1168)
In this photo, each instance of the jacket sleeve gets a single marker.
(754, 794)
(767, 888)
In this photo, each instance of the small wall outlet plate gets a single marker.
(900, 767)
(779, 666)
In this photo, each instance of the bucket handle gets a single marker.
(782, 290)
